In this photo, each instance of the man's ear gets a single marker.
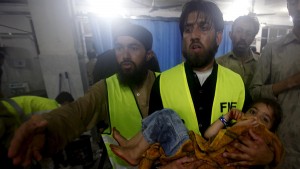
(149, 55)
(219, 37)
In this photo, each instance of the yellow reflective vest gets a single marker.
(124, 114)
(29, 105)
(175, 94)
(20, 109)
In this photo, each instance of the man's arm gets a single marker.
(28, 141)
(45, 134)
(286, 84)
(260, 85)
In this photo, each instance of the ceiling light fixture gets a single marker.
(236, 9)
(107, 9)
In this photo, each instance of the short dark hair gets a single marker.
(248, 18)
(210, 9)
(64, 97)
(276, 108)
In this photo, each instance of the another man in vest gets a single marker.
(120, 100)
(242, 59)
(16, 110)
(200, 90)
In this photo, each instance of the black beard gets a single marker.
(200, 62)
(135, 78)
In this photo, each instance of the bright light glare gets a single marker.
(109, 9)
(236, 9)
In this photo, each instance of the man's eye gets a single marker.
(118, 48)
(133, 48)
(205, 28)
(187, 29)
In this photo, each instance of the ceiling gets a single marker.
(260, 6)
(268, 11)
(277, 7)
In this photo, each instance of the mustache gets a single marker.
(197, 42)
(126, 62)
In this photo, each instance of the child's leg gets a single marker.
(164, 127)
(167, 128)
(134, 149)
(119, 138)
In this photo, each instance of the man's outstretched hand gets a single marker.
(28, 141)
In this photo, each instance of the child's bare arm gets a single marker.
(216, 126)
(233, 114)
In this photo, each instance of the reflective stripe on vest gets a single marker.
(29, 105)
(175, 94)
(124, 114)
(16, 107)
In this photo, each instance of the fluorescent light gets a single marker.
(108, 9)
(236, 9)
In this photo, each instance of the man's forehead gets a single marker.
(127, 40)
(198, 17)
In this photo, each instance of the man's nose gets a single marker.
(196, 33)
(126, 53)
(244, 36)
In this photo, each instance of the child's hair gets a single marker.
(276, 108)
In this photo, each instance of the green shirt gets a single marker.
(245, 70)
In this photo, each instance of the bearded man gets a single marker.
(200, 90)
(242, 59)
(278, 77)
(120, 101)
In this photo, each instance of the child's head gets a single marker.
(267, 111)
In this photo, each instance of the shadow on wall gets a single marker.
(22, 74)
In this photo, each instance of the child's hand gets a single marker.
(250, 122)
(233, 114)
